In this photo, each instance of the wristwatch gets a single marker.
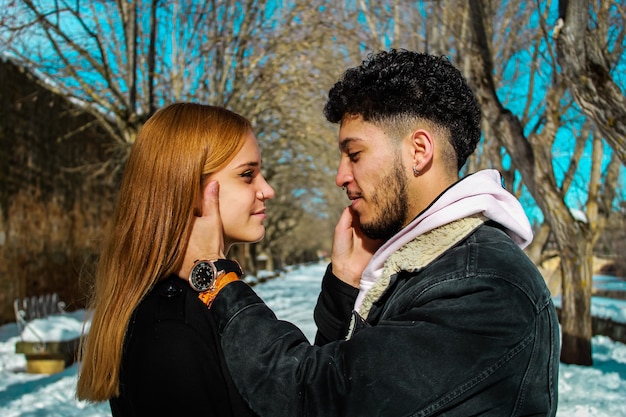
(204, 273)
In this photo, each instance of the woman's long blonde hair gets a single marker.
(177, 148)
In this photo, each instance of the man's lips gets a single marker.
(355, 199)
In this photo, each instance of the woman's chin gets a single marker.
(249, 238)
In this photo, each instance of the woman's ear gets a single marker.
(422, 149)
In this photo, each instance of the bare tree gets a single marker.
(121, 60)
(530, 147)
(589, 50)
(501, 46)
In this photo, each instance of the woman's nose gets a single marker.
(266, 191)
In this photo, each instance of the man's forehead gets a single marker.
(357, 129)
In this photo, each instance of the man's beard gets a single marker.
(390, 202)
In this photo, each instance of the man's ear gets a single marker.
(422, 149)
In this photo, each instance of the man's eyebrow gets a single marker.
(343, 145)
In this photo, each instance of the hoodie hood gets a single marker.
(481, 193)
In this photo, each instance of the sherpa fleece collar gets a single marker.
(419, 253)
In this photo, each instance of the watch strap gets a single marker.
(222, 280)
(228, 265)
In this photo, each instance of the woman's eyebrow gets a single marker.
(248, 164)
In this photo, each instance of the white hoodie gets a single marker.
(479, 193)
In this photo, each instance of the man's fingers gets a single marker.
(360, 239)
(346, 218)
(211, 200)
(206, 240)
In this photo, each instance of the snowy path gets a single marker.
(598, 391)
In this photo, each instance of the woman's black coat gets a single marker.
(172, 363)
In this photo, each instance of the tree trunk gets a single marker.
(536, 250)
(576, 303)
(533, 158)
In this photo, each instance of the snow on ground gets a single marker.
(597, 391)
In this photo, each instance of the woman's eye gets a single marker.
(247, 175)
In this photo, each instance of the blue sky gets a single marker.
(513, 95)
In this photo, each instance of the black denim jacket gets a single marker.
(474, 333)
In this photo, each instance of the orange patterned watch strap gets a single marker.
(207, 297)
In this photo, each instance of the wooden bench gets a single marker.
(42, 356)
(48, 357)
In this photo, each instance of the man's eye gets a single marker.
(354, 156)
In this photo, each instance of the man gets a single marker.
(429, 307)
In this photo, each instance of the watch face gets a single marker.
(202, 276)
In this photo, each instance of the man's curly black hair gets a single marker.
(400, 83)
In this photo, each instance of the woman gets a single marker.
(153, 347)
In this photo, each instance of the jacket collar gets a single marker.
(419, 253)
